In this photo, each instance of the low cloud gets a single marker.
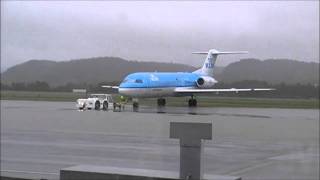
(157, 31)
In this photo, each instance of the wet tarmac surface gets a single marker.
(40, 138)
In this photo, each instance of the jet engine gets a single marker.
(205, 82)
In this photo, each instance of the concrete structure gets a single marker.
(85, 172)
(190, 135)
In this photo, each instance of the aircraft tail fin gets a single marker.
(208, 66)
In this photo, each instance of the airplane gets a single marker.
(167, 84)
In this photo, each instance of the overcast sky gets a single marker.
(158, 31)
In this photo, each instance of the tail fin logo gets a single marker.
(209, 65)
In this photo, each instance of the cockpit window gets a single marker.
(138, 81)
(128, 81)
(133, 81)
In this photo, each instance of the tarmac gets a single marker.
(40, 138)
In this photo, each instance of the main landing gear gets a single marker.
(135, 105)
(161, 105)
(192, 102)
(161, 102)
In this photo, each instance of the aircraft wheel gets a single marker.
(195, 103)
(105, 105)
(97, 105)
(192, 102)
(135, 106)
(161, 102)
(82, 107)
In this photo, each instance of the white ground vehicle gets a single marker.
(96, 101)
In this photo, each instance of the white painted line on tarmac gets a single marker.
(28, 172)
(250, 168)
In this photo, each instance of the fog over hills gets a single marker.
(272, 71)
(91, 70)
(110, 69)
(158, 31)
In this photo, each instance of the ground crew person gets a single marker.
(123, 101)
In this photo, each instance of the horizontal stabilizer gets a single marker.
(204, 53)
(213, 52)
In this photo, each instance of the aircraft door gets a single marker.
(146, 81)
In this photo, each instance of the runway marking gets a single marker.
(260, 165)
(29, 172)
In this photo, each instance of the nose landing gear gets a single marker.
(135, 105)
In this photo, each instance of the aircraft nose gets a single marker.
(120, 90)
(124, 92)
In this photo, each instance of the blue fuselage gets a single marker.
(153, 84)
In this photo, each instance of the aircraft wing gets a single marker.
(196, 90)
(113, 87)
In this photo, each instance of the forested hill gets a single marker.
(273, 71)
(90, 71)
(110, 69)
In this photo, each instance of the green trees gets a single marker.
(20, 86)
(283, 90)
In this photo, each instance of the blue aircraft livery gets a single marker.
(159, 80)
(163, 84)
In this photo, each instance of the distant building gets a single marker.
(79, 90)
